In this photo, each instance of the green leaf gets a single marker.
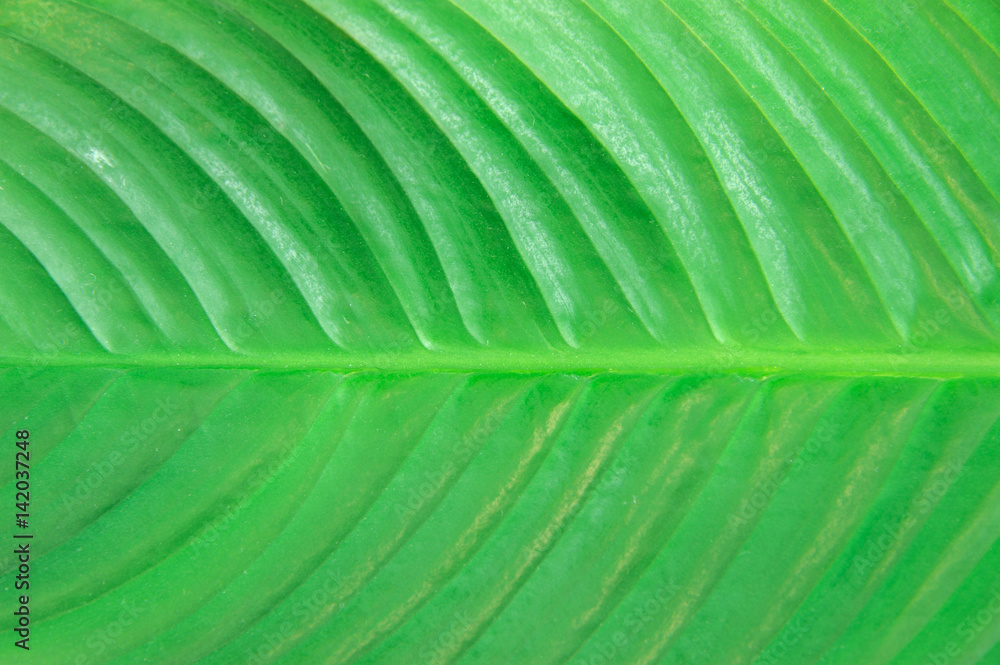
(571, 331)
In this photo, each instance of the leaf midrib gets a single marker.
(751, 362)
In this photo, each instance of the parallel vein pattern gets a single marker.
(504, 518)
(354, 176)
(479, 331)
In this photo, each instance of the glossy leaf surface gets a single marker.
(399, 331)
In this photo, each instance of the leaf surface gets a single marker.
(485, 332)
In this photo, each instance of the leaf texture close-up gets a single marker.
(500, 331)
